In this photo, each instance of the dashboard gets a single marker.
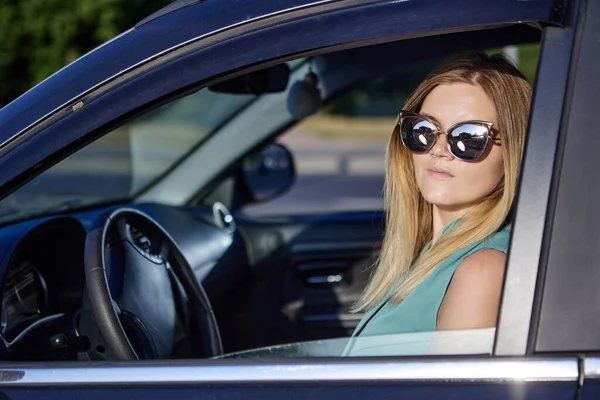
(25, 296)
(43, 278)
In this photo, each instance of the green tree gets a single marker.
(38, 37)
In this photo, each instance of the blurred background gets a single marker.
(339, 152)
(41, 36)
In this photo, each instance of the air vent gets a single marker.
(223, 217)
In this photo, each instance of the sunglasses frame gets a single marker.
(490, 134)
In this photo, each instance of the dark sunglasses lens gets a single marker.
(468, 141)
(418, 135)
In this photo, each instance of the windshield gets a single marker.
(127, 160)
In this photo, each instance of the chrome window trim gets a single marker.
(216, 372)
(591, 368)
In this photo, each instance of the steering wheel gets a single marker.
(150, 305)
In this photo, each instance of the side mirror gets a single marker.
(269, 172)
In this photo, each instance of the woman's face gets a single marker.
(444, 180)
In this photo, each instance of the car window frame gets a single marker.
(567, 317)
(524, 279)
(155, 95)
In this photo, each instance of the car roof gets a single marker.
(175, 24)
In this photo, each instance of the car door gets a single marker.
(524, 375)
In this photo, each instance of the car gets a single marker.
(165, 233)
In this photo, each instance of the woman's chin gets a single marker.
(439, 198)
(445, 202)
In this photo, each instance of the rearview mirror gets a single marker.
(268, 80)
(269, 172)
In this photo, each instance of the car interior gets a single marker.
(127, 256)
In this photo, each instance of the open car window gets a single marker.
(340, 146)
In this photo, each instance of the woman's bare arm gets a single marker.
(473, 296)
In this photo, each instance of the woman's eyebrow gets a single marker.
(431, 117)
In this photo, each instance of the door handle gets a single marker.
(330, 279)
(323, 273)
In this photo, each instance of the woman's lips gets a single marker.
(439, 173)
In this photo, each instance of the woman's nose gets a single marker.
(440, 148)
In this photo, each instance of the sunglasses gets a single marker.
(467, 140)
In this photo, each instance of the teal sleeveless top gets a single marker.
(418, 311)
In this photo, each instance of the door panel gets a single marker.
(305, 273)
(489, 391)
(333, 275)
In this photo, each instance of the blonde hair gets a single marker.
(409, 220)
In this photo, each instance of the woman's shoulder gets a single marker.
(498, 240)
(471, 298)
(487, 258)
(491, 250)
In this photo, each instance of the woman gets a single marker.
(452, 169)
